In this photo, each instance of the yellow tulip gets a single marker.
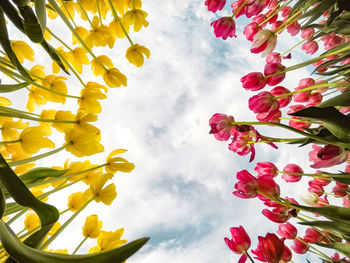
(89, 97)
(99, 35)
(82, 33)
(22, 50)
(33, 139)
(31, 221)
(49, 115)
(115, 164)
(109, 240)
(83, 118)
(64, 116)
(103, 194)
(82, 144)
(21, 169)
(38, 71)
(54, 228)
(4, 102)
(76, 200)
(56, 84)
(135, 54)
(92, 227)
(114, 78)
(78, 58)
(97, 69)
(135, 17)
(117, 30)
(9, 130)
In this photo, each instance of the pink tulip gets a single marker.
(264, 42)
(287, 230)
(275, 69)
(263, 102)
(266, 168)
(278, 91)
(327, 156)
(292, 168)
(250, 31)
(299, 246)
(215, 5)
(310, 47)
(247, 185)
(253, 81)
(221, 126)
(270, 248)
(239, 243)
(224, 27)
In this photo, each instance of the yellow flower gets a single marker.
(82, 144)
(56, 84)
(38, 71)
(120, 6)
(31, 221)
(109, 240)
(92, 227)
(37, 193)
(66, 55)
(135, 17)
(82, 32)
(78, 58)
(76, 200)
(32, 139)
(97, 69)
(117, 29)
(4, 102)
(103, 194)
(21, 169)
(9, 129)
(22, 50)
(54, 228)
(115, 164)
(99, 35)
(89, 96)
(82, 122)
(68, 8)
(135, 54)
(17, 151)
(36, 96)
(48, 115)
(47, 35)
(64, 116)
(75, 167)
(51, 13)
(114, 78)
(132, 3)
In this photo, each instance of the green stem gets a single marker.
(9, 142)
(84, 12)
(60, 40)
(318, 251)
(66, 21)
(119, 22)
(69, 14)
(37, 157)
(7, 109)
(59, 231)
(297, 44)
(273, 12)
(308, 135)
(251, 259)
(298, 120)
(66, 176)
(80, 244)
(9, 72)
(99, 11)
(72, 69)
(16, 216)
(239, 8)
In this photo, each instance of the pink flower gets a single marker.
(277, 215)
(314, 99)
(254, 7)
(263, 102)
(312, 236)
(242, 144)
(278, 91)
(276, 69)
(307, 32)
(266, 168)
(273, 57)
(224, 27)
(247, 186)
(259, 19)
(287, 254)
(287, 231)
(292, 168)
(270, 116)
(310, 47)
(300, 125)
(253, 81)
(264, 41)
(270, 248)
(293, 29)
(299, 246)
(215, 5)
(239, 243)
(250, 31)
(221, 126)
(340, 189)
(268, 186)
(327, 156)
(285, 11)
(276, 25)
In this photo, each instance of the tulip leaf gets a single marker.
(6, 45)
(341, 228)
(336, 122)
(31, 25)
(12, 13)
(53, 55)
(332, 212)
(340, 100)
(344, 248)
(48, 214)
(12, 87)
(40, 173)
(40, 10)
(317, 11)
(22, 253)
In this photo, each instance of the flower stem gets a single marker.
(60, 40)
(80, 244)
(239, 8)
(249, 257)
(37, 157)
(9, 142)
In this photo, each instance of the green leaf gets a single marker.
(40, 173)
(48, 214)
(336, 122)
(344, 248)
(53, 55)
(23, 253)
(318, 10)
(12, 87)
(6, 45)
(332, 212)
(340, 100)
(31, 25)
(12, 13)
(40, 10)
(341, 228)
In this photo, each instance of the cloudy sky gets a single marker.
(180, 193)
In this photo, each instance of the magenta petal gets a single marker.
(243, 258)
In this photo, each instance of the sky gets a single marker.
(180, 193)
